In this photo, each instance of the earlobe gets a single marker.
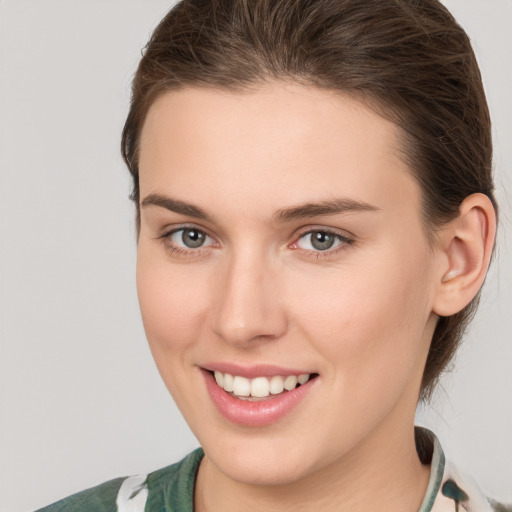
(466, 246)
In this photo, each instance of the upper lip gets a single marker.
(253, 371)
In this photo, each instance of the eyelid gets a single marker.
(342, 233)
(169, 231)
(345, 238)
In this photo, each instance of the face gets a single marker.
(281, 243)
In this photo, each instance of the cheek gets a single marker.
(172, 303)
(368, 319)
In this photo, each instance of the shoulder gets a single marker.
(171, 487)
(99, 498)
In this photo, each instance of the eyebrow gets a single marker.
(330, 207)
(175, 205)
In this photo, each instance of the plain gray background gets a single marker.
(80, 399)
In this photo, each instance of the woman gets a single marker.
(315, 217)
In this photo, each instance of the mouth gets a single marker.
(260, 388)
(260, 397)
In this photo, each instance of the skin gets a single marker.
(361, 314)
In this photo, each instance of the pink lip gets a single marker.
(251, 372)
(255, 414)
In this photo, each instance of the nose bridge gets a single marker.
(248, 303)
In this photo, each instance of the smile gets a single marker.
(259, 398)
(259, 387)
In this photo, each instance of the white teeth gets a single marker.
(219, 378)
(290, 382)
(303, 378)
(228, 382)
(241, 386)
(276, 385)
(259, 387)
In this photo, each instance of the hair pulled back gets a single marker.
(407, 59)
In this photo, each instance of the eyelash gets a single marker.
(343, 240)
(166, 237)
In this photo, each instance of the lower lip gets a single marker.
(255, 414)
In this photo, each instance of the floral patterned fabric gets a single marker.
(171, 489)
(449, 490)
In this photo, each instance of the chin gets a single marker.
(267, 460)
(261, 472)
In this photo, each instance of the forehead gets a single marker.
(279, 142)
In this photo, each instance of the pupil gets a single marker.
(321, 240)
(192, 238)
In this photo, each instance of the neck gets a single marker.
(383, 473)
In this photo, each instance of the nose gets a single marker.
(248, 305)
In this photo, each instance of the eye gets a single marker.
(188, 238)
(320, 240)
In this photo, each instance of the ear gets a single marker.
(465, 246)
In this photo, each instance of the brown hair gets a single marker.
(408, 59)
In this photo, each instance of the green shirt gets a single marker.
(171, 489)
